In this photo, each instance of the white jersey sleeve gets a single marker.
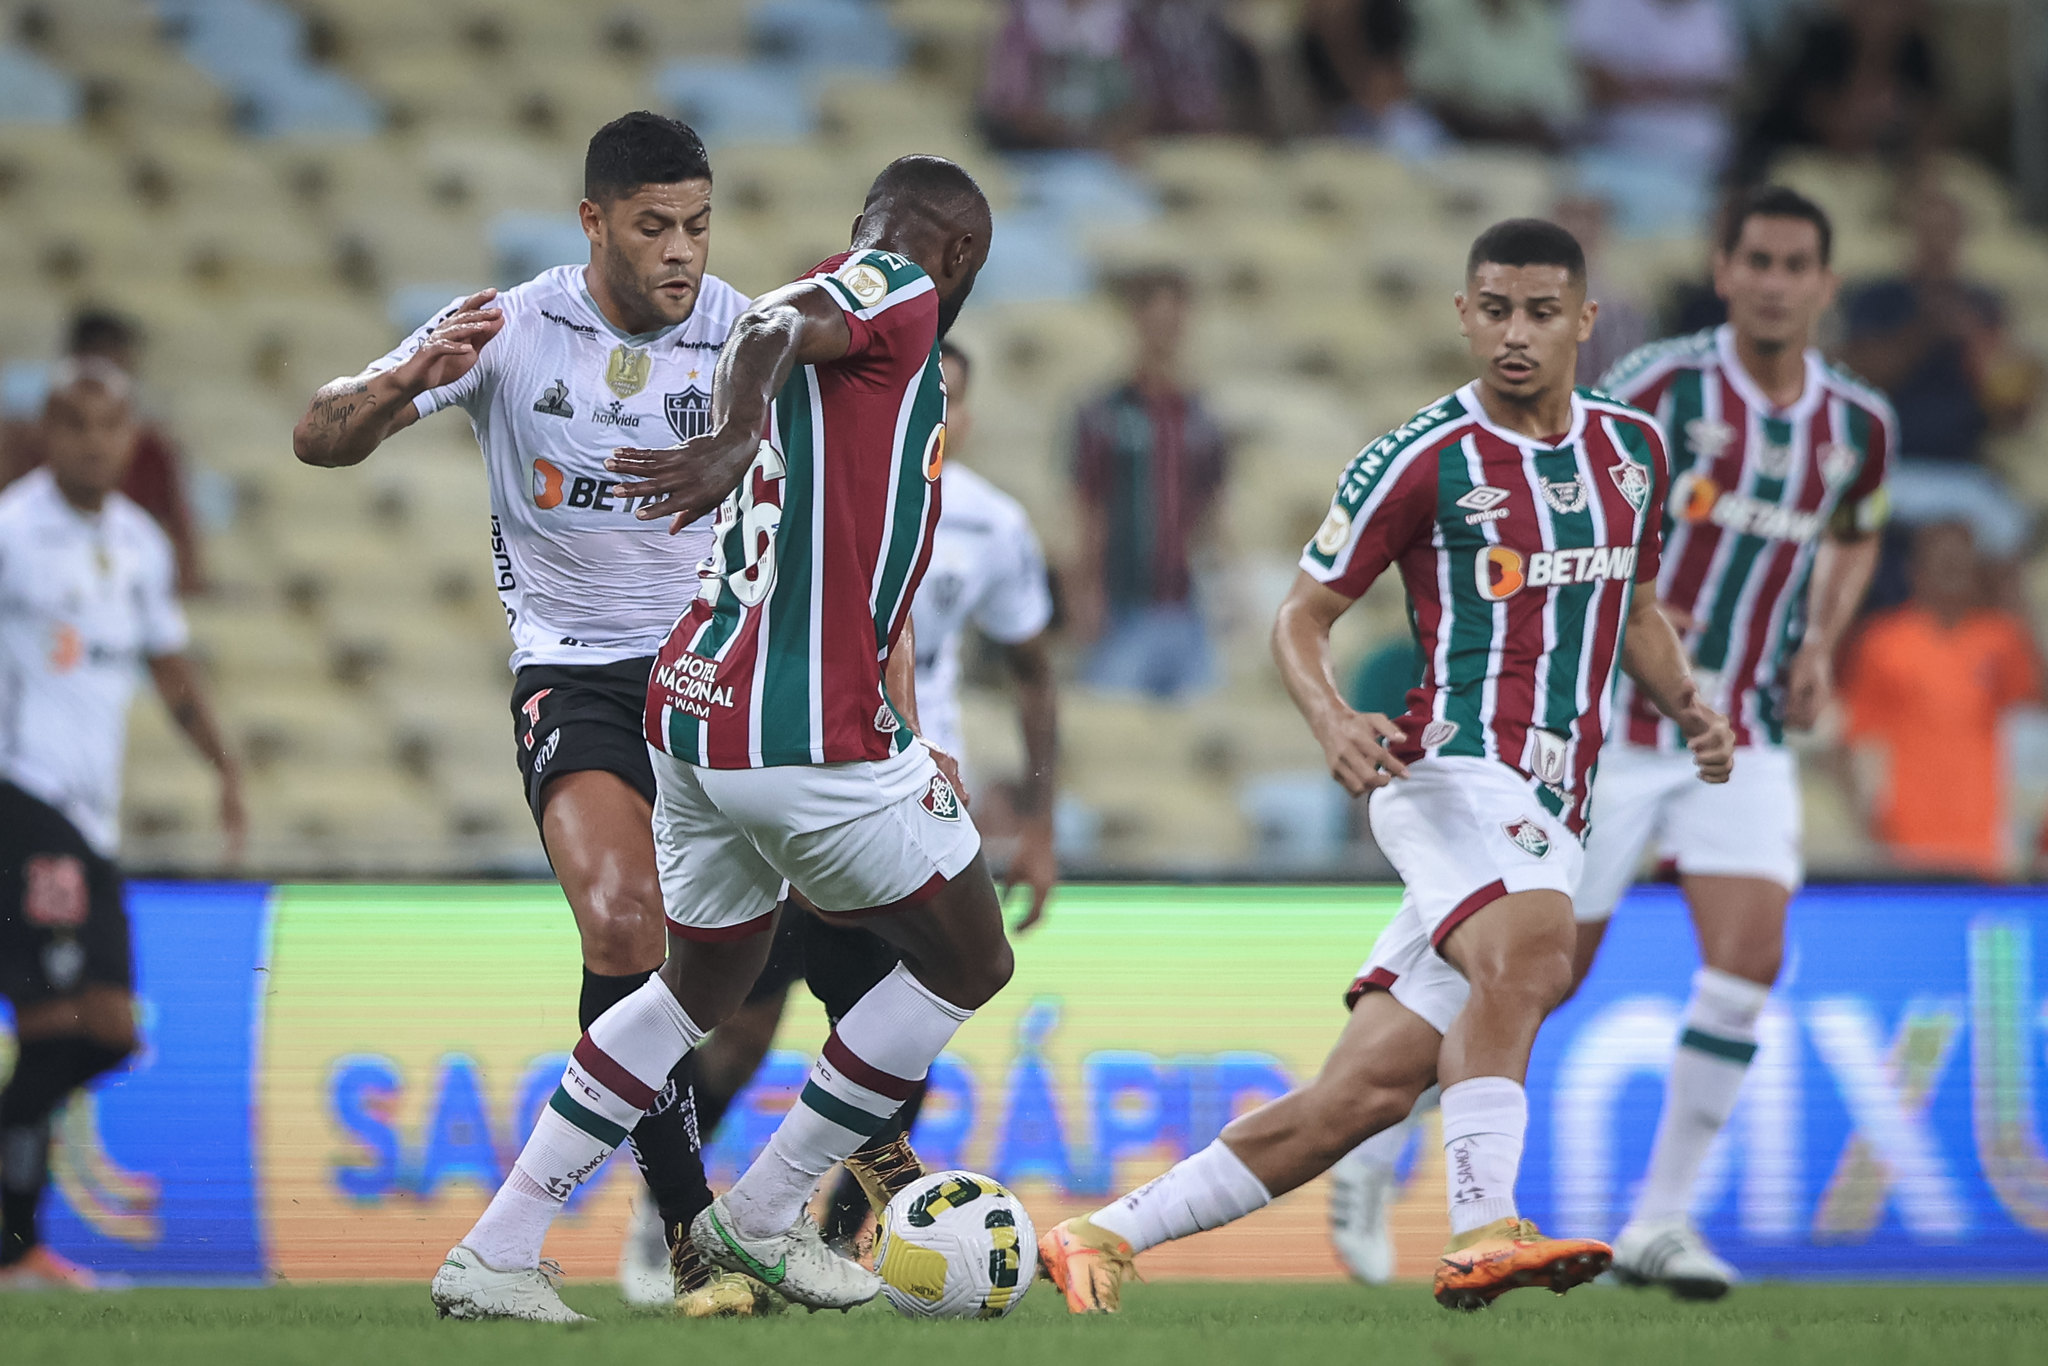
(464, 393)
(1016, 601)
(161, 617)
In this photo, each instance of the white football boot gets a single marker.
(794, 1263)
(1362, 1192)
(465, 1288)
(645, 1277)
(1671, 1253)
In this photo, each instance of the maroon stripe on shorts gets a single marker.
(606, 1072)
(718, 933)
(1379, 979)
(1466, 909)
(848, 1064)
(932, 887)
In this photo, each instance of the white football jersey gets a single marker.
(552, 395)
(86, 600)
(986, 569)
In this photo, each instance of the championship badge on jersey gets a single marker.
(1565, 495)
(625, 374)
(1708, 437)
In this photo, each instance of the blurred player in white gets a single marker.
(554, 375)
(987, 572)
(88, 601)
(1778, 463)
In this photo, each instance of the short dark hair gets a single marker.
(1528, 242)
(95, 330)
(937, 186)
(1775, 201)
(950, 350)
(642, 149)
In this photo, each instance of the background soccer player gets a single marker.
(782, 758)
(1524, 518)
(1777, 494)
(554, 375)
(88, 598)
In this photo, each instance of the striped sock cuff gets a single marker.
(848, 1116)
(852, 1092)
(570, 1108)
(1715, 1046)
(595, 1081)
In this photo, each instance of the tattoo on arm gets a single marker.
(334, 405)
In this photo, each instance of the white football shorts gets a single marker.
(853, 837)
(1462, 832)
(1647, 799)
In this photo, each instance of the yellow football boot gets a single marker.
(1088, 1264)
(885, 1171)
(1510, 1254)
(704, 1291)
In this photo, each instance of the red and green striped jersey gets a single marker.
(816, 555)
(1753, 489)
(1520, 558)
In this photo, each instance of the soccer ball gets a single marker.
(956, 1245)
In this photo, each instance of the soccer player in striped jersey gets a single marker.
(780, 756)
(1523, 516)
(1777, 493)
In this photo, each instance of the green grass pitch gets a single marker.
(1179, 1324)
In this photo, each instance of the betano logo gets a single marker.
(547, 484)
(935, 453)
(1502, 572)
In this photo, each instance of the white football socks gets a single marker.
(1207, 1190)
(1484, 1121)
(871, 1063)
(615, 1074)
(1713, 1057)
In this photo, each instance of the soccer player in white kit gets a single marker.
(1778, 464)
(554, 375)
(88, 601)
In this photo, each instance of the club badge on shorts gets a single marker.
(1528, 837)
(940, 799)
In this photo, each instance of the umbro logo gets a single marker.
(1484, 504)
(554, 401)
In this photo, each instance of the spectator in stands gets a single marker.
(1658, 75)
(1354, 56)
(1937, 343)
(1495, 70)
(1200, 75)
(1862, 78)
(155, 478)
(1927, 687)
(1065, 73)
(1149, 462)
(1624, 322)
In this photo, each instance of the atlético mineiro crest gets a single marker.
(1528, 837)
(689, 413)
(1633, 480)
(1565, 495)
(940, 799)
(1708, 437)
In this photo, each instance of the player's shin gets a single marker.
(1208, 1190)
(46, 1072)
(1714, 1053)
(1484, 1122)
(870, 1065)
(616, 1073)
(665, 1142)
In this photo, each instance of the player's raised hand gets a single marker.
(234, 819)
(451, 350)
(684, 482)
(1711, 740)
(1355, 747)
(1036, 865)
(1808, 685)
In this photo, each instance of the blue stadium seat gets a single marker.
(523, 244)
(33, 92)
(846, 34)
(740, 101)
(254, 50)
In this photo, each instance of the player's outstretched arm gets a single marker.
(799, 324)
(177, 682)
(1652, 655)
(1842, 567)
(1353, 742)
(351, 417)
(1036, 864)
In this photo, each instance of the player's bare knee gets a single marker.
(1538, 981)
(975, 983)
(622, 928)
(1757, 962)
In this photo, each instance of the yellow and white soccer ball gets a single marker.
(956, 1245)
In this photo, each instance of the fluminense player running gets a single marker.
(1777, 493)
(986, 571)
(781, 758)
(554, 374)
(88, 600)
(1523, 516)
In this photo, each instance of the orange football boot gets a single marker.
(1509, 1254)
(42, 1269)
(1088, 1264)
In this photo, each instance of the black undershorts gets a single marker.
(63, 925)
(574, 718)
